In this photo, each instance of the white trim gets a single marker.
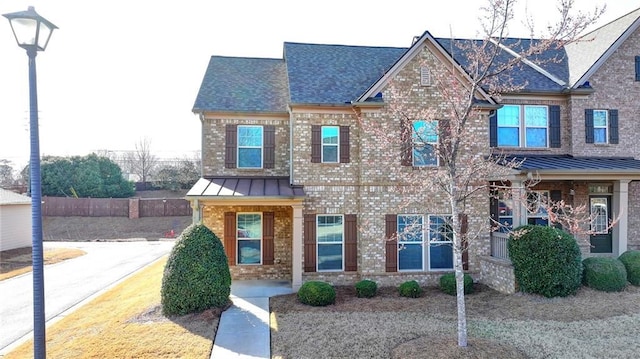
(318, 243)
(261, 146)
(336, 145)
(238, 239)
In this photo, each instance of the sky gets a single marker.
(119, 71)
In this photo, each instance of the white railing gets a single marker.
(499, 245)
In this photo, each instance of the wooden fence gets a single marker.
(114, 207)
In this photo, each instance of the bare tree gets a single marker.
(142, 161)
(450, 127)
(6, 174)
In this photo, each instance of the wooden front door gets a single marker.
(601, 237)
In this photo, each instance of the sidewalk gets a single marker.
(243, 331)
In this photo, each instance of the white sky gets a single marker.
(120, 70)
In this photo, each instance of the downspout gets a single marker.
(291, 181)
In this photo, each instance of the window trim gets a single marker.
(336, 145)
(605, 127)
(522, 126)
(416, 140)
(425, 243)
(318, 243)
(238, 239)
(261, 147)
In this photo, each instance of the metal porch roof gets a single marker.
(263, 187)
(576, 164)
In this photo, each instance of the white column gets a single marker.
(519, 203)
(296, 252)
(620, 211)
(195, 209)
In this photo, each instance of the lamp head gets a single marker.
(32, 31)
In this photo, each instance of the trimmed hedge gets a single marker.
(605, 274)
(317, 294)
(196, 276)
(410, 289)
(448, 284)
(366, 288)
(631, 261)
(546, 261)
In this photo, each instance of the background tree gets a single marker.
(180, 176)
(6, 174)
(88, 176)
(142, 161)
(462, 146)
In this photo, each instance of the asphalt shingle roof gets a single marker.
(243, 84)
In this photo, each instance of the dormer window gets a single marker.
(425, 76)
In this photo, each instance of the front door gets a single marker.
(601, 238)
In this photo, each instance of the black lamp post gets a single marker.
(32, 33)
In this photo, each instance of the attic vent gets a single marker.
(425, 76)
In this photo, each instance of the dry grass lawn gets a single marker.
(590, 324)
(18, 261)
(126, 322)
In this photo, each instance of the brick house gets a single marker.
(298, 190)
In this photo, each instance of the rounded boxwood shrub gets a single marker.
(546, 261)
(366, 288)
(410, 289)
(631, 261)
(317, 294)
(196, 276)
(448, 284)
(606, 274)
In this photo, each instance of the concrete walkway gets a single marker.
(243, 331)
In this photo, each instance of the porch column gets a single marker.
(195, 211)
(620, 211)
(296, 255)
(519, 203)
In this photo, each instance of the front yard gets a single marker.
(590, 324)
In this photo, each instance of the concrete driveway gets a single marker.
(71, 282)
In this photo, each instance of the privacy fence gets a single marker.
(114, 207)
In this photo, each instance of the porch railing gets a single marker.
(499, 245)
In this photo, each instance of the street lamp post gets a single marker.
(32, 32)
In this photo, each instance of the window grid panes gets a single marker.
(424, 137)
(514, 132)
(330, 236)
(599, 215)
(249, 236)
(536, 208)
(420, 242)
(600, 126)
(330, 144)
(250, 146)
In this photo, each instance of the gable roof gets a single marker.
(243, 84)
(8, 197)
(593, 49)
(334, 74)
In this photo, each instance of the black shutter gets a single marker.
(554, 127)
(344, 144)
(637, 68)
(588, 125)
(493, 129)
(391, 244)
(231, 144)
(309, 242)
(268, 229)
(556, 196)
(494, 207)
(350, 243)
(613, 126)
(269, 138)
(406, 148)
(316, 143)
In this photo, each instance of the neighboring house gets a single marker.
(15, 220)
(298, 189)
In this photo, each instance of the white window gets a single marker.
(330, 240)
(420, 242)
(250, 146)
(424, 138)
(537, 208)
(600, 126)
(249, 238)
(330, 144)
(523, 126)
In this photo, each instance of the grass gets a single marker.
(18, 261)
(126, 322)
(590, 324)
